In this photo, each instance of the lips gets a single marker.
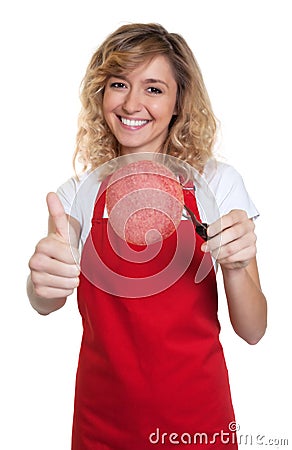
(134, 123)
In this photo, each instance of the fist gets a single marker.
(232, 241)
(54, 264)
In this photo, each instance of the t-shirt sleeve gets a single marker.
(67, 194)
(230, 191)
(78, 197)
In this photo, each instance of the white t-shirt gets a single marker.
(219, 190)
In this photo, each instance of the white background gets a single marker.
(244, 50)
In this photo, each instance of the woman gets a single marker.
(151, 369)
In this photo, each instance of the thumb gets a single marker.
(58, 216)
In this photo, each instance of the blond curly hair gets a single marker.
(191, 132)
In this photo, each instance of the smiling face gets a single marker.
(139, 106)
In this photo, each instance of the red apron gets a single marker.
(151, 369)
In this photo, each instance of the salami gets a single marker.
(144, 201)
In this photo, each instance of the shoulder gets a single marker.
(68, 189)
(219, 174)
(228, 188)
(72, 185)
(78, 194)
(77, 187)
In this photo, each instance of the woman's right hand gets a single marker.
(55, 263)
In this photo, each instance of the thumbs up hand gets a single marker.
(54, 264)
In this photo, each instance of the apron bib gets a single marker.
(151, 369)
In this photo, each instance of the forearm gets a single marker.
(246, 303)
(42, 305)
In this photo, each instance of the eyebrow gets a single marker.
(148, 80)
(155, 80)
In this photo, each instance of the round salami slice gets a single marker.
(144, 201)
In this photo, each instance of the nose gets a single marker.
(132, 102)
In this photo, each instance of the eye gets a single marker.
(154, 90)
(118, 85)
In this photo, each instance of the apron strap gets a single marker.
(100, 200)
(190, 200)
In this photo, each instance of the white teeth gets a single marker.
(133, 123)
